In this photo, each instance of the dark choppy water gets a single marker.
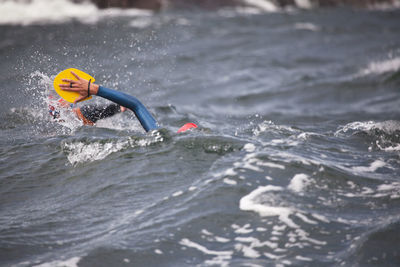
(296, 162)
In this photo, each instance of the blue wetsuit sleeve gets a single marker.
(146, 119)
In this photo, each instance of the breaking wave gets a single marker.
(56, 12)
(382, 135)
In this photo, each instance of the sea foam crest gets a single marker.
(220, 258)
(59, 11)
(72, 262)
(44, 11)
(79, 151)
(306, 26)
(389, 5)
(388, 127)
(263, 5)
(253, 202)
(306, 4)
(386, 134)
(380, 67)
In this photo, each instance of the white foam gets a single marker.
(252, 202)
(128, 12)
(301, 258)
(158, 251)
(78, 151)
(205, 232)
(249, 250)
(141, 22)
(230, 172)
(306, 4)
(305, 219)
(372, 168)
(186, 242)
(229, 181)
(249, 147)
(251, 162)
(320, 217)
(60, 11)
(138, 212)
(221, 257)
(222, 261)
(386, 187)
(247, 163)
(272, 256)
(279, 228)
(231, 13)
(242, 230)
(392, 190)
(263, 5)
(222, 239)
(306, 26)
(357, 125)
(305, 236)
(299, 182)
(290, 157)
(394, 4)
(390, 148)
(379, 67)
(212, 237)
(351, 184)
(389, 127)
(302, 136)
(272, 165)
(44, 11)
(81, 152)
(178, 193)
(262, 127)
(72, 262)
(256, 242)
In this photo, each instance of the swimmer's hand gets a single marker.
(80, 86)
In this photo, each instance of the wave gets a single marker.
(39, 12)
(55, 12)
(381, 67)
(262, 5)
(79, 151)
(384, 135)
(307, 26)
(390, 5)
(43, 11)
(72, 262)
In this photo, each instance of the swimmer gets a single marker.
(91, 113)
(88, 114)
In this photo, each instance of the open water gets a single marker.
(296, 161)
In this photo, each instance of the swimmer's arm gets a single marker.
(81, 86)
(146, 119)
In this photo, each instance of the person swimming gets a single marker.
(92, 113)
(88, 114)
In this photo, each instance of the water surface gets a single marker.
(295, 162)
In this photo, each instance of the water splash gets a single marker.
(80, 151)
